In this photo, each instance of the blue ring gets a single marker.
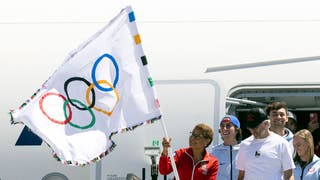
(94, 69)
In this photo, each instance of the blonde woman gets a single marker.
(307, 163)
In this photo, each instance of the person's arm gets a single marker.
(164, 162)
(288, 174)
(165, 165)
(241, 175)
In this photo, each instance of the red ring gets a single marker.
(50, 118)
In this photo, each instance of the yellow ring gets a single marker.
(109, 113)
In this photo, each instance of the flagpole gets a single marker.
(96, 171)
(170, 152)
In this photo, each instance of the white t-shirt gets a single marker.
(264, 159)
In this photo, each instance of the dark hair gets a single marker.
(275, 106)
(239, 135)
(206, 131)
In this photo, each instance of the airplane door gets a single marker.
(184, 104)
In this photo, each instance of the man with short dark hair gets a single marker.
(264, 155)
(278, 115)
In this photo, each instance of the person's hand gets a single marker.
(313, 126)
(166, 143)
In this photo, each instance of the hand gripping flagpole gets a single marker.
(170, 152)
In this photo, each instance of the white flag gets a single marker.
(103, 88)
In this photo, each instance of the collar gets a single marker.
(206, 156)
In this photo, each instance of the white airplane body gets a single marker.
(207, 60)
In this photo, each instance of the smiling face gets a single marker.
(198, 139)
(228, 131)
(278, 118)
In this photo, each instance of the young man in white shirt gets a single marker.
(264, 155)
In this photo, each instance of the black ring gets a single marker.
(85, 81)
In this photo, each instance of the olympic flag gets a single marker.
(102, 88)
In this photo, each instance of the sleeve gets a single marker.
(214, 170)
(240, 159)
(165, 165)
(286, 157)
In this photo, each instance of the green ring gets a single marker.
(84, 106)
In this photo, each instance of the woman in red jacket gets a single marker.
(194, 162)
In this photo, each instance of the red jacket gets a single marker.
(206, 169)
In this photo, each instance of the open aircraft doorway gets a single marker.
(301, 99)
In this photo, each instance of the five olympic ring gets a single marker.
(90, 102)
